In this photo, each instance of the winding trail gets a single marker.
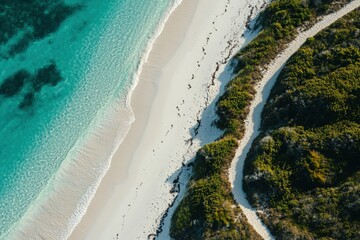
(253, 119)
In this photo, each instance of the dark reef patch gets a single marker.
(13, 84)
(32, 83)
(41, 18)
(27, 101)
(21, 45)
(48, 75)
(49, 21)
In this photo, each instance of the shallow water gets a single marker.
(61, 62)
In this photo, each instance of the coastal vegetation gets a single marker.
(194, 217)
(303, 170)
(208, 211)
(279, 22)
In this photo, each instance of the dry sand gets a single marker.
(177, 90)
(181, 77)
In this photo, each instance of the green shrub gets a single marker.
(208, 210)
(292, 165)
(304, 167)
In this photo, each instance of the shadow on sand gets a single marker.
(202, 133)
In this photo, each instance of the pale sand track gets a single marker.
(254, 117)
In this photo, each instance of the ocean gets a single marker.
(63, 64)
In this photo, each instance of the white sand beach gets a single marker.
(254, 118)
(181, 77)
(173, 109)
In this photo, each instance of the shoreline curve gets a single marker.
(145, 165)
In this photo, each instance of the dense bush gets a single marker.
(330, 64)
(208, 210)
(304, 168)
(279, 23)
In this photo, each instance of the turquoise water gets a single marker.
(60, 63)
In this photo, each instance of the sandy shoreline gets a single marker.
(253, 120)
(174, 106)
(175, 85)
(141, 102)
